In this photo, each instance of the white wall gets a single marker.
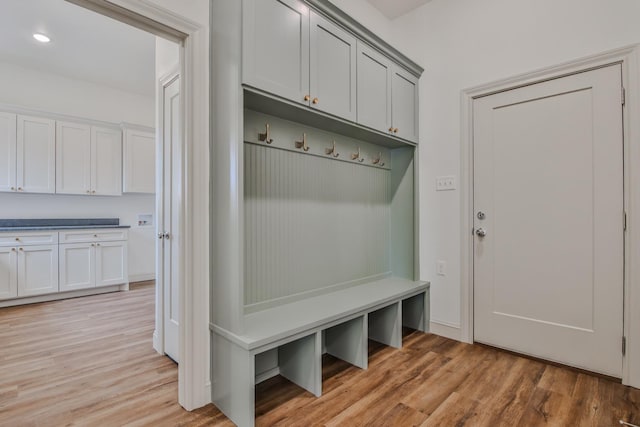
(49, 92)
(465, 43)
(53, 93)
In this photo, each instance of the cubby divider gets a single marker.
(348, 341)
(385, 325)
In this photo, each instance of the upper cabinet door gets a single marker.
(404, 104)
(36, 155)
(106, 161)
(7, 152)
(276, 47)
(139, 162)
(73, 158)
(374, 89)
(333, 68)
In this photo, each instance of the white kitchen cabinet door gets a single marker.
(73, 158)
(106, 161)
(7, 152)
(77, 266)
(139, 161)
(111, 263)
(37, 270)
(36, 155)
(8, 273)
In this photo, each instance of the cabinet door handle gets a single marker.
(97, 244)
(13, 249)
(17, 239)
(395, 130)
(88, 191)
(315, 100)
(21, 249)
(93, 192)
(307, 98)
(19, 188)
(13, 188)
(93, 244)
(390, 129)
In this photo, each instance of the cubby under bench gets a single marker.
(290, 339)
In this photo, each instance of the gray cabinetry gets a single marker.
(276, 47)
(374, 89)
(404, 104)
(333, 68)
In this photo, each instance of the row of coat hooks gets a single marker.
(331, 151)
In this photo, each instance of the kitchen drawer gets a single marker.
(102, 235)
(28, 238)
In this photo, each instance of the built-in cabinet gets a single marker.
(88, 159)
(27, 145)
(28, 265)
(44, 155)
(38, 263)
(139, 161)
(93, 260)
(315, 62)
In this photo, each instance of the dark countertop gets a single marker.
(60, 227)
(39, 224)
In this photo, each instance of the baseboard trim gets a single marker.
(141, 277)
(156, 342)
(267, 374)
(63, 295)
(446, 330)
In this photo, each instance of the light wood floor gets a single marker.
(89, 361)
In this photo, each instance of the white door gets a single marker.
(37, 270)
(168, 279)
(73, 158)
(36, 155)
(7, 152)
(548, 195)
(106, 161)
(8, 273)
(77, 266)
(111, 263)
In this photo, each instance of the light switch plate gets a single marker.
(441, 268)
(445, 183)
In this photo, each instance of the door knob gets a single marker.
(166, 235)
(481, 232)
(160, 235)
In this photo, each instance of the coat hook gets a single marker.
(356, 156)
(303, 144)
(332, 151)
(376, 161)
(266, 136)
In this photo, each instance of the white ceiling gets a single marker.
(395, 8)
(84, 45)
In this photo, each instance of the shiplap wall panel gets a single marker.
(311, 223)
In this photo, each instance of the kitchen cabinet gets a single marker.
(139, 161)
(89, 160)
(8, 152)
(27, 149)
(28, 264)
(93, 258)
(8, 272)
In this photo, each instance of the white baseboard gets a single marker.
(63, 295)
(446, 330)
(141, 277)
(207, 392)
(267, 374)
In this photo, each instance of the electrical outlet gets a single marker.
(441, 268)
(445, 183)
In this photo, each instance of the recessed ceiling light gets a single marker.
(41, 38)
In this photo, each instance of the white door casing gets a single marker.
(548, 175)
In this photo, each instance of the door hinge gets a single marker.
(624, 96)
(624, 221)
(624, 346)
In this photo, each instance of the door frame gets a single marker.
(161, 85)
(628, 57)
(194, 386)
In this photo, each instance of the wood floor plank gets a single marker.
(89, 362)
